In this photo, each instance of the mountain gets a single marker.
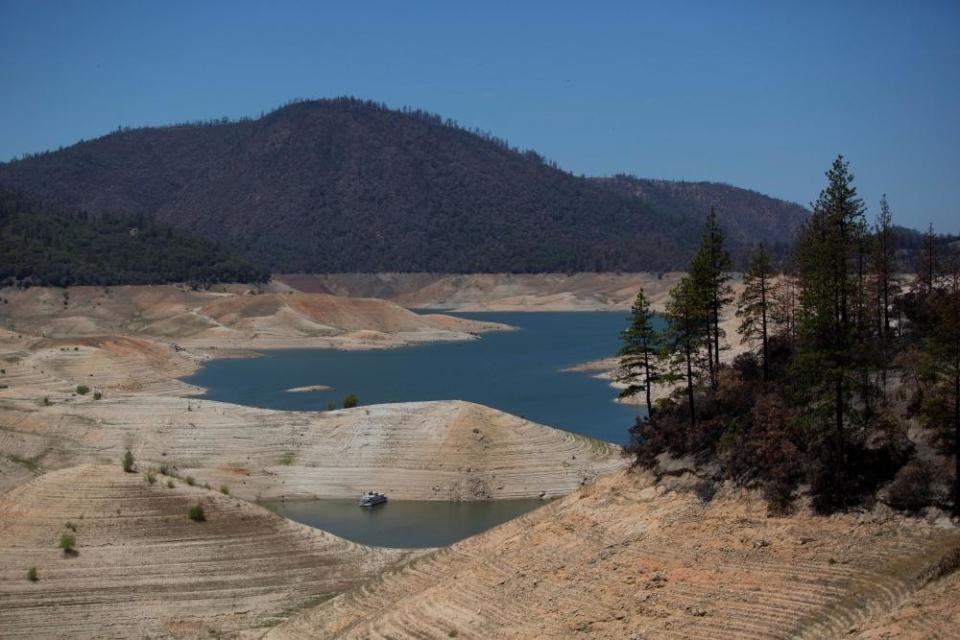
(747, 216)
(41, 247)
(343, 185)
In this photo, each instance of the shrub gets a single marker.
(224, 489)
(128, 461)
(191, 481)
(83, 389)
(150, 477)
(164, 469)
(705, 490)
(97, 395)
(911, 489)
(170, 484)
(68, 543)
(350, 401)
(32, 574)
(197, 514)
(46, 401)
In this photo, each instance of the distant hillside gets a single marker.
(747, 216)
(342, 185)
(42, 248)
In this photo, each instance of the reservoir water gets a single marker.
(519, 372)
(515, 371)
(403, 524)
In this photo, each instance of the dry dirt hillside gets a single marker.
(495, 291)
(143, 569)
(625, 558)
(233, 317)
(426, 450)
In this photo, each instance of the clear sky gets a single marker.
(760, 95)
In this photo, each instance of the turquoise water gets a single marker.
(405, 524)
(514, 371)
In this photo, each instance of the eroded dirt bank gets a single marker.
(447, 450)
(627, 559)
(143, 568)
(437, 450)
(233, 318)
(495, 291)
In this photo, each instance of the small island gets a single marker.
(309, 389)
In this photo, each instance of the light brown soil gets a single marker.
(443, 450)
(495, 291)
(208, 320)
(144, 569)
(625, 559)
(448, 450)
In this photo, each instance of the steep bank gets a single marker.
(625, 558)
(144, 569)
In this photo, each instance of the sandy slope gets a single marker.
(144, 569)
(494, 291)
(425, 450)
(623, 558)
(228, 319)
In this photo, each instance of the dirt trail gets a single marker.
(624, 558)
(143, 568)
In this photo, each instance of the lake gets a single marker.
(515, 371)
(403, 524)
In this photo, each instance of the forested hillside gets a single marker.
(746, 216)
(850, 390)
(344, 185)
(38, 247)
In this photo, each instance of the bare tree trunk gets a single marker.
(646, 374)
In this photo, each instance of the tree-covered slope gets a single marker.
(746, 216)
(44, 248)
(343, 185)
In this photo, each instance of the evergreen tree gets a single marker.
(710, 276)
(639, 353)
(943, 350)
(784, 306)
(827, 358)
(686, 318)
(926, 264)
(754, 305)
(883, 268)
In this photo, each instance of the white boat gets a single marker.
(372, 499)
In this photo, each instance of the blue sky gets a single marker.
(760, 95)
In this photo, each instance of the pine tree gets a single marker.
(827, 357)
(686, 318)
(639, 360)
(927, 264)
(710, 276)
(784, 306)
(883, 271)
(754, 306)
(942, 346)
